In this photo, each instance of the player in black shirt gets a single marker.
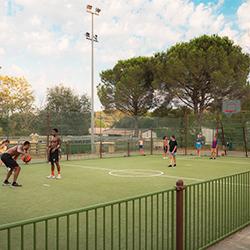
(172, 151)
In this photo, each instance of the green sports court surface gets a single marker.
(90, 182)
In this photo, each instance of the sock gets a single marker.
(52, 173)
(59, 172)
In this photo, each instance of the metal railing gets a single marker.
(144, 222)
(187, 217)
(215, 209)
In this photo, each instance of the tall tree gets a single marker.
(16, 95)
(67, 111)
(16, 99)
(128, 87)
(203, 72)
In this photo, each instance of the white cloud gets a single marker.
(47, 37)
(244, 26)
(243, 14)
(2, 51)
(17, 70)
(35, 21)
(63, 44)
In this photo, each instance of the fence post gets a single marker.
(101, 149)
(48, 133)
(151, 141)
(179, 214)
(223, 138)
(245, 140)
(67, 150)
(186, 131)
(128, 148)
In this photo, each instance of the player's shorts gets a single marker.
(140, 146)
(173, 154)
(54, 156)
(198, 145)
(8, 161)
(165, 149)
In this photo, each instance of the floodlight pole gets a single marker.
(92, 85)
(93, 39)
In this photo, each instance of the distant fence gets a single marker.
(190, 218)
(123, 146)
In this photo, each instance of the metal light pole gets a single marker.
(92, 38)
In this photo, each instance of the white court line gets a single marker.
(162, 175)
(90, 167)
(154, 173)
(181, 177)
(216, 161)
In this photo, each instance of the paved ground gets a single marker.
(238, 241)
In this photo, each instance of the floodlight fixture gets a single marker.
(89, 7)
(97, 11)
(95, 38)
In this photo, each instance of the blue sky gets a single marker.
(228, 8)
(44, 40)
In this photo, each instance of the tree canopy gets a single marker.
(16, 105)
(128, 87)
(203, 72)
(67, 111)
(16, 95)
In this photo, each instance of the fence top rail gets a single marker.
(217, 179)
(80, 210)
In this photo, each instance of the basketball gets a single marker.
(26, 158)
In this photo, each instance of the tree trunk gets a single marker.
(198, 118)
(136, 126)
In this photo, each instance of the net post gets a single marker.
(179, 215)
(128, 148)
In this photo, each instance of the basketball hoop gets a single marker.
(231, 107)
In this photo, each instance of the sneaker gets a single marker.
(6, 183)
(15, 184)
(164, 158)
(51, 177)
(59, 177)
(170, 166)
